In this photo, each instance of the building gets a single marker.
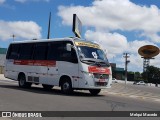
(2, 59)
(117, 72)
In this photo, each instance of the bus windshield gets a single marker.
(92, 55)
(89, 52)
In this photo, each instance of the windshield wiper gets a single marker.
(103, 64)
(96, 62)
(88, 60)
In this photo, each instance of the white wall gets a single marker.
(2, 59)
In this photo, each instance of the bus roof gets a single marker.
(41, 40)
(55, 39)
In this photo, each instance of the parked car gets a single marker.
(139, 83)
(114, 80)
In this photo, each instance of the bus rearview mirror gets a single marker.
(68, 47)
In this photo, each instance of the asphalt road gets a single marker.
(145, 92)
(118, 98)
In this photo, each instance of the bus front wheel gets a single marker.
(95, 91)
(66, 87)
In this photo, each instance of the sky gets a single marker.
(119, 26)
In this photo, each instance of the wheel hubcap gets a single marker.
(22, 82)
(65, 86)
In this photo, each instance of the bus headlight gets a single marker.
(87, 73)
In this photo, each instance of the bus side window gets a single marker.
(26, 51)
(74, 58)
(40, 52)
(57, 51)
(69, 56)
(13, 51)
(54, 50)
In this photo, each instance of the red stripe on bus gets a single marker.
(94, 69)
(49, 63)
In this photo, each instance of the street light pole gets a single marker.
(126, 55)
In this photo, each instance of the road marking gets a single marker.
(120, 90)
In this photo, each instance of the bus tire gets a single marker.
(94, 91)
(47, 87)
(66, 86)
(22, 82)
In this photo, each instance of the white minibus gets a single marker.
(70, 63)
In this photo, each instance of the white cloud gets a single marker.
(116, 15)
(136, 44)
(2, 1)
(155, 62)
(106, 16)
(22, 29)
(23, 1)
(136, 62)
(115, 43)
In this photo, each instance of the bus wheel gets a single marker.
(95, 91)
(22, 82)
(66, 87)
(47, 87)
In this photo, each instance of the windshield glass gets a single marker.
(90, 52)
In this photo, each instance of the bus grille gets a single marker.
(100, 76)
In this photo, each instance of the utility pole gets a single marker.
(13, 36)
(126, 56)
(49, 25)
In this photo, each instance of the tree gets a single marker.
(137, 76)
(152, 74)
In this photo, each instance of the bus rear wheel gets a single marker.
(47, 87)
(22, 82)
(94, 91)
